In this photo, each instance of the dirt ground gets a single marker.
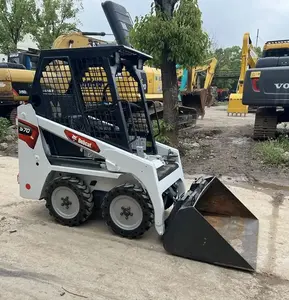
(43, 260)
(222, 145)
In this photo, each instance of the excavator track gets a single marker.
(266, 121)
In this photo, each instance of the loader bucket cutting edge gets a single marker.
(213, 226)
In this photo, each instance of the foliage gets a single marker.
(229, 60)
(53, 18)
(274, 152)
(161, 132)
(181, 36)
(4, 125)
(172, 33)
(15, 17)
(258, 51)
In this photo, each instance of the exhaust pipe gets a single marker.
(210, 224)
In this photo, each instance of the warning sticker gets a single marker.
(139, 142)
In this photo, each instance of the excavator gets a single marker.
(17, 74)
(195, 94)
(266, 86)
(151, 77)
(248, 60)
(15, 81)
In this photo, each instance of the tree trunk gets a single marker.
(169, 79)
(170, 94)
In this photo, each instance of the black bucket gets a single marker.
(195, 99)
(210, 224)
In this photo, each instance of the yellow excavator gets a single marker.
(248, 60)
(16, 76)
(151, 77)
(193, 92)
(209, 70)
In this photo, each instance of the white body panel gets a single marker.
(34, 166)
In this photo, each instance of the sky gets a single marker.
(224, 20)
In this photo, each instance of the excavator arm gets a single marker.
(248, 60)
(210, 72)
(209, 68)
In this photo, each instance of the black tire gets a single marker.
(12, 116)
(142, 199)
(84, 196)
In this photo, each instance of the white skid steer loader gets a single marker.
(86, 141)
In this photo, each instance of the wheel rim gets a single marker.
(65, 202)
(126, 212)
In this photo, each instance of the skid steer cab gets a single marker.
(86, 142)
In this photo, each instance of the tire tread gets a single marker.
(143, 199)
(84, 195)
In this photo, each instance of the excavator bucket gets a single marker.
(196, 99)
(235, 106)
(211, 225)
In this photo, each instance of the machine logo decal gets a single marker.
(22, 129)
(23, 92)
(28, 133)
(81, 140)
(282, 85)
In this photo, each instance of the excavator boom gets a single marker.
(248, 60)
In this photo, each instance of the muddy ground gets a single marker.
(219, 145)
(222, 145)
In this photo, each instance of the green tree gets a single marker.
(258, 51)
(14, 23)
(229, 61)
(172, 33)
(53, 18)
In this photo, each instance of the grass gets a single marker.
(274, 152)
